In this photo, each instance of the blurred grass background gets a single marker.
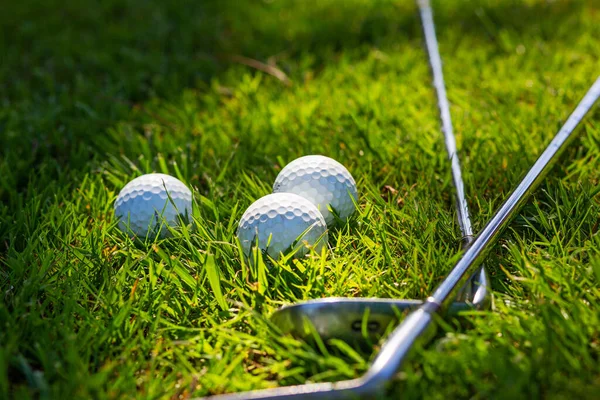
(95, 93)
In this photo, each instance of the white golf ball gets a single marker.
(323, 181)
(279, 221)
(151, 200)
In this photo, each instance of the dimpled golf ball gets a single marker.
(150, 200)
(323, 181)
(279, 221)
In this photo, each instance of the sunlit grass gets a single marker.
(95, 95)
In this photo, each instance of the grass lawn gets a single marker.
(93, 94)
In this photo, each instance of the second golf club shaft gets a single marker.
(435, 61)
(475, 291)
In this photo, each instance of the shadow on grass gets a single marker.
(72, 69)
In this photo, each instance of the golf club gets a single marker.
(396, 348)
(413, 327)
(352, 319)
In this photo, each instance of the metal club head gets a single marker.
(357, 320)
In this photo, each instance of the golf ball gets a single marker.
(323, 181)
(150, 200)
(279, 221)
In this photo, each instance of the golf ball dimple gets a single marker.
(149, 200)
(323, 181)
(278, 221)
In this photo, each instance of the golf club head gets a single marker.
(349, 319)
(361, 320)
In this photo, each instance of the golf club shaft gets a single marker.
(403, 338)
(435, 61)
(477, 286)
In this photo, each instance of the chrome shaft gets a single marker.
(477, 287)
(435, 62)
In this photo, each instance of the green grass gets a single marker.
(93, 94)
